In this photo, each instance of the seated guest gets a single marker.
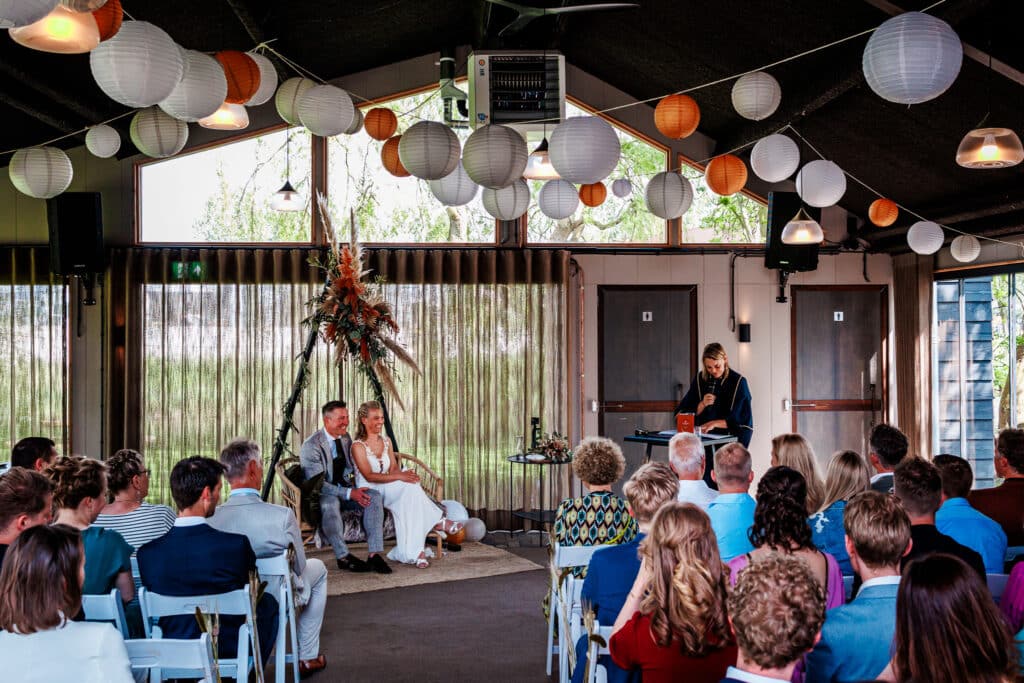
(686, 457)
(732, 512)
(128, 514)
(600, 516)
(80, 491)
(888, 446)
(919, 488)
(776, 609)
(272, 529)
(948, 630)
(34, 453)
(40, 584)
(792, 450)
(673, 625)
(612, 570)
(1005, 503)
(1012, 602)
(26, 500)
(193, 558)
(847, 476)
(856, 640)
(780, 527)
(958, 520)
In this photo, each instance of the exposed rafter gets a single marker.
(34, 82)
(255, 30)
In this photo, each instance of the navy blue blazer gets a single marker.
(856, 638)
(200, 560)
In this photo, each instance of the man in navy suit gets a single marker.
(856, 640)
(776, 610)
(193, 558)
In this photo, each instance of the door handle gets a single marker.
(787, 404)
(612, 405)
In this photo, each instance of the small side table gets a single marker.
(543, 515)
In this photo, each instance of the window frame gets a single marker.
(678, 237)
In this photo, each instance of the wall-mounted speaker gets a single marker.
(76, 233)
(793, 258)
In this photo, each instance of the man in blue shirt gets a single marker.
(957, 519)
(732, 512)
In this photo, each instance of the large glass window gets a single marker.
(713, 219)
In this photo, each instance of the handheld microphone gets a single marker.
(713, 386)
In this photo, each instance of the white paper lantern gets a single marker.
(83, 5)
(268, 80)
(965, 248)
(584, 149)
(157, 134)
(756, 96)
(287, 98)
(494, 156)
(103, 141)
(455, 511)
(821, 183)
(325, 110)
(24, 12)
(139, 67)
(668, 195)
(507, 203)
(200, 92)
(455, 189)
(622, 188)
(558, 199)
(357, 122)
(912, 58)
(429, 150)
(925, 237)
(41, 172)
(774, 158)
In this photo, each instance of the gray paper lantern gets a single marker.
(495, 156)
(83, 5)
(41, 172)
(14, 13)
(774, 158)
(429, 150)
(912, 58)
(756, 96)
(287, 98)
(201, 92)
(622, 188)
(507, 203)
(157, 134)
(558, 199)
(325, 110)
(821, 183)
(965, 248)
(268, 80)
(584, 149)
(357, 122)
(455, 189)
(668, 195)
(925, 237)
(103, 141)
(139, 67)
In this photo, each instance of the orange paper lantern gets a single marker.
(108, 19)
(243, 74)
(389, 157)
(380, 123)
(593, 194)
(677, 116)
(883, 212)
(726, 174)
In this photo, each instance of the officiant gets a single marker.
(719, 397)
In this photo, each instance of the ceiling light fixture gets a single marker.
(228, 117)
(287, 198)
(990, 148)
(62, 31)
(538, 164)
(802, 229)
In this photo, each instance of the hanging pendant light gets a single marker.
(228, 117)
(802, 229)
(990, 148)
(62, 31)
(287, 198)
(538, 164)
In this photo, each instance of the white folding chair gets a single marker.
(997, 585)
(107, 607)
(235, 602)
(277, 573)
(170, 658)
(570, 624)
(562, 557)
(596, 673)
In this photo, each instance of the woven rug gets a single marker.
(474, 561)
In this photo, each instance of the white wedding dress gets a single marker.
(414, 513)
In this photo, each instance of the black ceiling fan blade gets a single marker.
(594, 7)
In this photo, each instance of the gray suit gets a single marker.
(316, 456)
(271, 529)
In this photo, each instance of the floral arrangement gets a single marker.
(555, 447)
(352, 314)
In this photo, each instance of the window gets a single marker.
(712, 219)
(222, 194)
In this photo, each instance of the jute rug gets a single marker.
(476, 560)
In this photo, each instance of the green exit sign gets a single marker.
(193, 271)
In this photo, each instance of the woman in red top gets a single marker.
(674, 624)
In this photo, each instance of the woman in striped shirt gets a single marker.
(139, 522)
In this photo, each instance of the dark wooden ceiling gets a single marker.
(906, 153)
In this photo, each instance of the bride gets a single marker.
(415, 514)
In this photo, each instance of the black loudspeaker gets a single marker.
(782, 206)
(76, 233)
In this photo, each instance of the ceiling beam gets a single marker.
(77, 107)
(255, 30)
(57, 123)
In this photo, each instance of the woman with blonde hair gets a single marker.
(792, 450)
(846, 476)
(719, 397)
(674, 625)
(128, 513)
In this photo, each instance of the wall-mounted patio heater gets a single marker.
(523, 89)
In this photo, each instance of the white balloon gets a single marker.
(507, 203)
(756, 96)
(821, 183)
(558, 199)
(912, 58)
(103, 141)
(774, 158)
(455, 511)
(475, 530)
(455, 189)
(584, 149)
(965, 248)
(925, 237)
(668, 195)
(622, 188)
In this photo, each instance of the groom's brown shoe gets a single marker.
(377, 564)
(308, 667)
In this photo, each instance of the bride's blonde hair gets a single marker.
(362, 414)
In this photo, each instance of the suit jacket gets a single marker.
(927, 539)
(883, 484)
(317, 455)
(856, 638)
(1004, 504)
(201, 560)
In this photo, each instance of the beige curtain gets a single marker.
(912, 284)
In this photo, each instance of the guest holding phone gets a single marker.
(719, 397)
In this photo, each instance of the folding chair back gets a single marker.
(997, 585)
(107, 607)
(168, 658)
(562, 557)
(277, 573)
(596, 673)
(847, 587)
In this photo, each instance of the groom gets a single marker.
(329, 452)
